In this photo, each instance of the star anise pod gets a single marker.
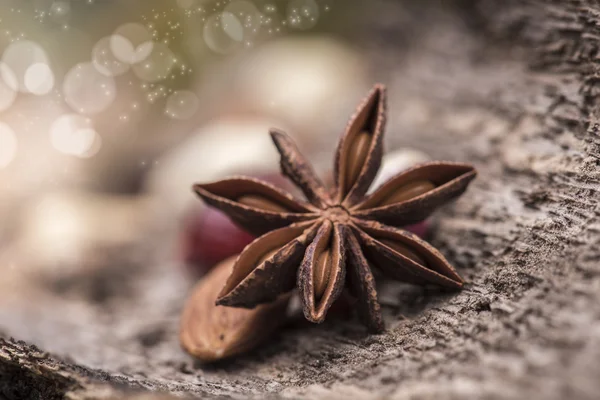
(339, 236)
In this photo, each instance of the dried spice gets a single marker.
(339, 235)
(211, 332)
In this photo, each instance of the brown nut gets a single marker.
(210, 332)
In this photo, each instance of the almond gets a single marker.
(211, 333)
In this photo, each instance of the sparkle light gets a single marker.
(60, 11)
(39, 79)
(182, 105)
(131, 43)
(8, 84)
(8, 145)
(74, 134)
(88, 91)
(302, 14)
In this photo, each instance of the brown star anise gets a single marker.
(313, 244)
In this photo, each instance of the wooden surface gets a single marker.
(510, 86)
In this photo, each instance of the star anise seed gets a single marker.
(340, 231)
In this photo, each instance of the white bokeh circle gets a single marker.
(94, 148)
(8, 145)
(222, 32)
(19, 56)
(88, 91)
(232, 26)
(131, 43)
(157, 66)
(74, 134)
(105, 61)
(248, 17)
(39, 79)
(182, 104)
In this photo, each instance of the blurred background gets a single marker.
(110, 111)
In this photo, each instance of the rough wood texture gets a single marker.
(508, 85)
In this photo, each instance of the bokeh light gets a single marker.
(8, 145)
(39, 79)
(105, 61)
(182, 104)
(157, 66)
(232, 26)
(220, 32)
(247, 15)
(75, 135)
(88, 91)
(8, 84)
(21, 55)
(131, 43)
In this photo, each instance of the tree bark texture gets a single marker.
(511, 86)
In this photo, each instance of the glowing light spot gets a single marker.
(88, 91)
(18, 57)
(105, 61)
(131, 43)
(221, 33)
(74, 134)
(39, 79)
(232, 26)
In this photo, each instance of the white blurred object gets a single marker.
(19, 57)
(131, 43)
(88, 91)
(74, 134)
(235, 145)
(397, 161)
(313, 83)
(59, 231)
(105, 61)
(39, 79)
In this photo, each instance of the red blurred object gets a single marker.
(420, 229)
(208, 236)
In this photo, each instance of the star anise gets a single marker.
(312, 245)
